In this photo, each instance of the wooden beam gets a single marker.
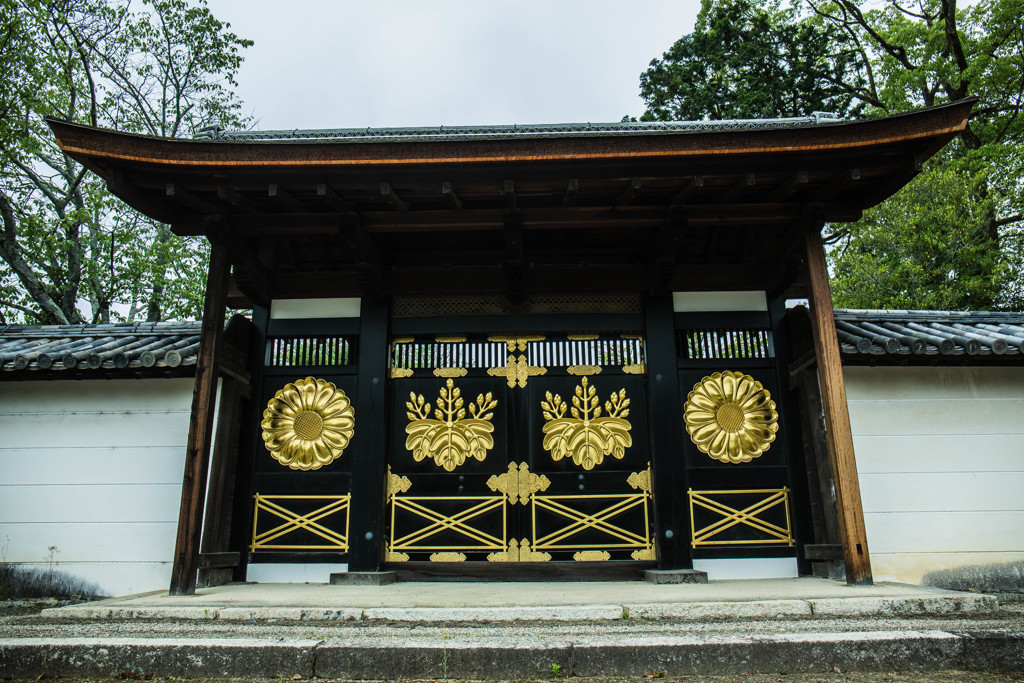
(396, 202)
(193, 202)
(837, 416)
(840, 183)
(629, 194)
(200, 431)
(369, 264)
(133, 197)
(510, 195)
(334, 200)
(743, 182)
(788, 186)
(665, 249)
(570, 192)
(278, 193)
(514, 257)
(680, 197)
(237, 199)
(447, 191)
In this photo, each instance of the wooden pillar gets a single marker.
(200, 429)
(837, 417)
(665, 416)
(370, 461)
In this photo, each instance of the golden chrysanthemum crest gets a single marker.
(308, 424)
(731, 417)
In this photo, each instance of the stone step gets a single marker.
(516, 656)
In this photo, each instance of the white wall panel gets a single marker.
(944, 532)
(748, 568)
(89, 503)
(943, 492)
(914, 567)
(119, 578)
(933, 382)
(940, 455)
(937, 416)
(92, 465)
(93, 468)
(91, 542)
(946, 453)
(72, 430)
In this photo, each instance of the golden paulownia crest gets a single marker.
(586, 437)
(308, 424)
(518, 484)
(731, 417)
(451, 437)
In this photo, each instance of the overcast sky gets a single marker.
(346, 64)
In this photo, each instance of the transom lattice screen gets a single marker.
(310, 350)
(725, 343)
(598, 350)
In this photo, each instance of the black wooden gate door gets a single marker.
(519, 448)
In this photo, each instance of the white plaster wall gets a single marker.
(940, 455)
(94, 468)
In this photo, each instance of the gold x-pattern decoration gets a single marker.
(439, 522)
(748, 516)
(599, 521)
(294, 521)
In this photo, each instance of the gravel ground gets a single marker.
(853, 677)
(31, 625)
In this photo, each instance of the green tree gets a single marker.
(70, 250)
(747, 60)
(952, 238)
(967, 202)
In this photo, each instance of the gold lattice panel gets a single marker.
(740, 517)
(445, 525)
(592, 531)
(300, 523)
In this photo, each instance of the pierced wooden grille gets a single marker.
(310, 350)
(725, 343)
(601, 351)
(429, 307)
(414, 307)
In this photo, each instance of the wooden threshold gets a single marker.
(520, 571)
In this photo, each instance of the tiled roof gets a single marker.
(116, 347)
(865, 334)
(512, 131)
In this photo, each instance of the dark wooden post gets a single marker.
(369, 467)
(200, 429)
(837, 416)
(665, 416)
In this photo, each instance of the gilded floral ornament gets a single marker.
(586, 437)
(450, 437)
(731, 417)
(308, 424)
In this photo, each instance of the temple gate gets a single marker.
(513, 351)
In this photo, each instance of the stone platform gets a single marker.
(516, 631)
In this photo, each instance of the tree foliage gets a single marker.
(748, 60)
(952, 238)
(72, 252)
